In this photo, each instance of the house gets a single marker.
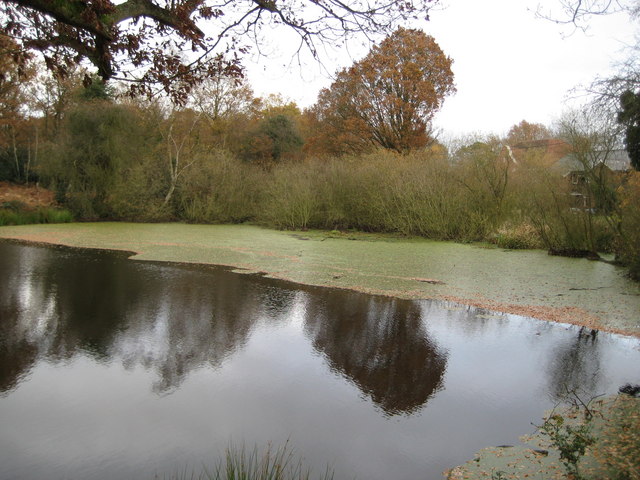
(556, 154)
(604, 168)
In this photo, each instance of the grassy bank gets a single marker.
(529, 283)
(21, 216)
(27, 204)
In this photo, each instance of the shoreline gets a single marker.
(317, 259)
(487, 461)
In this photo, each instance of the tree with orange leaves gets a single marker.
(387, 99)
(524, 132)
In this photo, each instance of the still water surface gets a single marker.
(112, 368)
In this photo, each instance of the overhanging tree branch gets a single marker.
(160, 42)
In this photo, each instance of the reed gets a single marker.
(274, 463)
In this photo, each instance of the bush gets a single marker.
(517, 236)
(220, 189)
(571, 440)
(417, 194)
(138, 192)
(100, 141)
(291, 199)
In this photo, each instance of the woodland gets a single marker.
(139, 133)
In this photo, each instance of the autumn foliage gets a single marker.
(387, 99)
(176, 44)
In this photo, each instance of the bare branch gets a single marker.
(578, 12)
(173, 44)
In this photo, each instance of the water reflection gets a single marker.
(378, 343)
(111, 368)
(171, 320)
(176, 320)
(575, 365)
(188, 322)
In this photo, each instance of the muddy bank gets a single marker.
(528, 283)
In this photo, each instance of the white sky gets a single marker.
(509, 65)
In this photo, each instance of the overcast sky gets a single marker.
(509, 65)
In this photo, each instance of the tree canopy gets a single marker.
(629, 116)
(527, 132)
(176, 43)
(389, 97)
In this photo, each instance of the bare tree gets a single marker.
(182, 146)
(578, 12)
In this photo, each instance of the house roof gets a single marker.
(556, 153)
(616, 160)
(546, 152)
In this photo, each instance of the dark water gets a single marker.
(116, 369)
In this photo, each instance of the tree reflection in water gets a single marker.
(171, 320)
(378, 343)
(575, 365)
(213, 355)
(175, 320)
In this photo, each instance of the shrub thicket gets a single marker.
(118, 162)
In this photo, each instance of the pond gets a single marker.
(113, 368)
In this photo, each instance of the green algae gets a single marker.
(530, 282)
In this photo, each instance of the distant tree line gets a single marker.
(364, 157)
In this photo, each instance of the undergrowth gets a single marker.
(12, 216)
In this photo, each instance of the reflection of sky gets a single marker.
(146, 343)
(270, 382)
(37, 319)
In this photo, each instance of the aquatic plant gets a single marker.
(278, 463)
(569, 434)
(274, 463)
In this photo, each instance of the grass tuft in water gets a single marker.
(240, 463)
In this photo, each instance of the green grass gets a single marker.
(12, 216)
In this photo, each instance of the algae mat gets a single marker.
(529, 283)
